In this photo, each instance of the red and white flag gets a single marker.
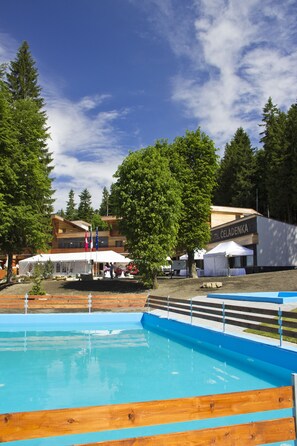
(86, 241)
(91, 239)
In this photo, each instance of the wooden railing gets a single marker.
(40, 424)
(266, 320)
(66, 303)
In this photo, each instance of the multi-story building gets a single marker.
(69, 236)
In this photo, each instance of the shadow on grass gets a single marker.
(110, 286)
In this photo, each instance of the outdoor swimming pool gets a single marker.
(57, 361)
(280, 297)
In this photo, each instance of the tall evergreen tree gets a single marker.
(235, 182)
(22, 80)
(8, 177)
(273, 139)
(85, 209)
(31, 205)
(259, 181)
(71, 211)
(290, 166)
(104, 206)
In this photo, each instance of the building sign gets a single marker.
(234, 230)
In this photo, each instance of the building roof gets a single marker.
(234, 210)
(81, 224)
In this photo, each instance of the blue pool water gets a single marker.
(115, 362)
(280, 297)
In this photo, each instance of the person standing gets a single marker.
(111, 269)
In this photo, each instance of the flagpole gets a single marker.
(86, 249)
(96, 247)
(91, 247)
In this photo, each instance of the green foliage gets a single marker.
(194, 164)
(25, 183)
(104, 206)
(71, 211)
(48, 269)
(148, 201)
(273, 167)
(108, 203)
(22, 78)
(236, 173)
(97, 222)
(38, 274)
(264, 179)
(290, 165)
(85, 209)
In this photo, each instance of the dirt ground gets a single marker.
(174, 287)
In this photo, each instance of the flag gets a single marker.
(91, 239)
(86, 241)
(97, 239)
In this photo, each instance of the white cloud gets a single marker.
(8, 48)
(247, 54)
(86, 147)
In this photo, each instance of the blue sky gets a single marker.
(119, 74)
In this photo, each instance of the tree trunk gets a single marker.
(9, 267)
(192, 265)
(155, 283)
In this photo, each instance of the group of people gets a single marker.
(114, 271)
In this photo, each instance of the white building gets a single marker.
(274, 243)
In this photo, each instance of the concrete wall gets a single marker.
(277, 243)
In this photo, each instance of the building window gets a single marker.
(119, 243)
(103, 242)
(71, 243)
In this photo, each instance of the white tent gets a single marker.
(198, 255)
(72, 263)
(216, 261)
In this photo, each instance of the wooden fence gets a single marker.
(266, 320)
(72, 303)
(48, 423)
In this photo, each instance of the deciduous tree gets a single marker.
(148, 202)
(194, 167)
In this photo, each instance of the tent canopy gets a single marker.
(96, 256)
(72, 263)
(198, 255)
(230, 249)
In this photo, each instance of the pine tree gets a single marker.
(235, 182)
(85, 209)
(71, 211)
(8, 177)
(104, 206)
(22, 80)
(31, 203)
(273, 139)
(290, 165)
